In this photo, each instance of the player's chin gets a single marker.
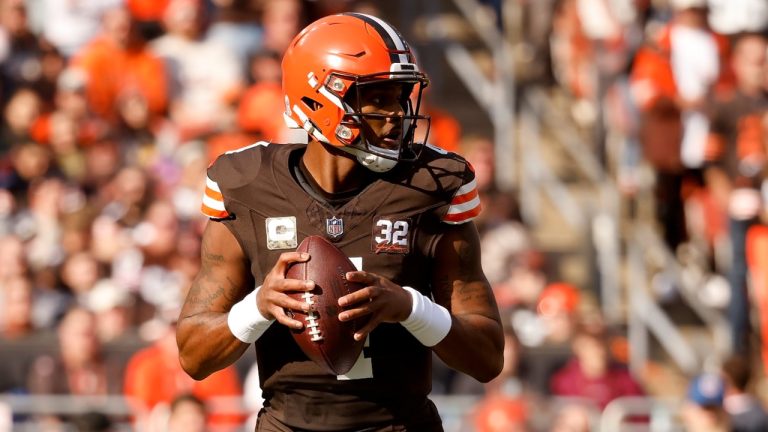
(388, 143)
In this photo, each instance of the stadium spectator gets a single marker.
(571, 51)
(237, 24)
(734, 17)
(79, 367)
(149, 16)
(28, 162)
(444, 128)
(92, 421)
(703, 410)
(558, 307)
(79, 273)
(591, 373)
(573, 417)
(119, 61)
(44, 243)
(154, 376)
(16, 308)
(187, 414)
(261, 108)
(26, 60)
(673, 73)
(70, 123)
(205, 78)
(112, 306)
(747, 413)
(508, 248)
(500, 208)
(19, 116)
(505, 405)
(757, 263)
(737, 155)
(281, 21)
(13, 256)
(499, 414)
(71, 25)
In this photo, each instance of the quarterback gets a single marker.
(402, 211)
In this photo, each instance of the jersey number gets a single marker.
(391, 236)
(392, 232)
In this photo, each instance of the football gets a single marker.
(324, 339)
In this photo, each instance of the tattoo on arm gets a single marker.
(211, 257)
(471, 284)
(198, 296)
(473, 291)
(207, 289)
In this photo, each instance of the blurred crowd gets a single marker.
(674, 95)
(113, 109)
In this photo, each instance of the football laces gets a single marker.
(312, 319)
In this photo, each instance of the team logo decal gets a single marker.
(391, 235)
(334, 226)
(281, 233)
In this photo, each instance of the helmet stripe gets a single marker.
(388, 34)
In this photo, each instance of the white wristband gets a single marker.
(428, 322)
(245, 321)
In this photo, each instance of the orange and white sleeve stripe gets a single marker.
(465, 205)
(213, 201)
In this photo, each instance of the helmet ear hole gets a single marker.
(311, 103)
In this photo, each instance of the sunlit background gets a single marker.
(620, 153)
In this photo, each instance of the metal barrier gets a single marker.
(644, 315)
(21, 413)
(659, 415)
(28, 412)
(496, 95)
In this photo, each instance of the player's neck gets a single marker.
(334, 173)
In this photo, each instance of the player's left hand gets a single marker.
(380, 301)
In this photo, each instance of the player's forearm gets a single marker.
(474, 346)
(206, 344)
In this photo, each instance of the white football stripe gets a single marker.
(212, 184)
(467, 188)
(461, 208)
(214, 204)
(319, 136)
(312, 80)
(238, 150)
(392, 34)
(459, 222)
(333, 98)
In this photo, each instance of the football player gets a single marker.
(402, 211)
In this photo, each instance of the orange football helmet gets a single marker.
(324, 68)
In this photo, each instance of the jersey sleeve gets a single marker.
(465, 204)
(229, 171)
(213, 200)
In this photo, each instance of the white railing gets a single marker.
(642, 414)
(600, 207)
(623, 300)
(496, 95)
(621, 415)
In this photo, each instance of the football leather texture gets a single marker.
(324, 339)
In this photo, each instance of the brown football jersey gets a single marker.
(390, 228)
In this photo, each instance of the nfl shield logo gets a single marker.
(334, 226)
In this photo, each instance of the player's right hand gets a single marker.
(273, 300)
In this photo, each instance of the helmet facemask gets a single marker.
(377, 153)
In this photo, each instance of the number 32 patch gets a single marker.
(391, 235)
